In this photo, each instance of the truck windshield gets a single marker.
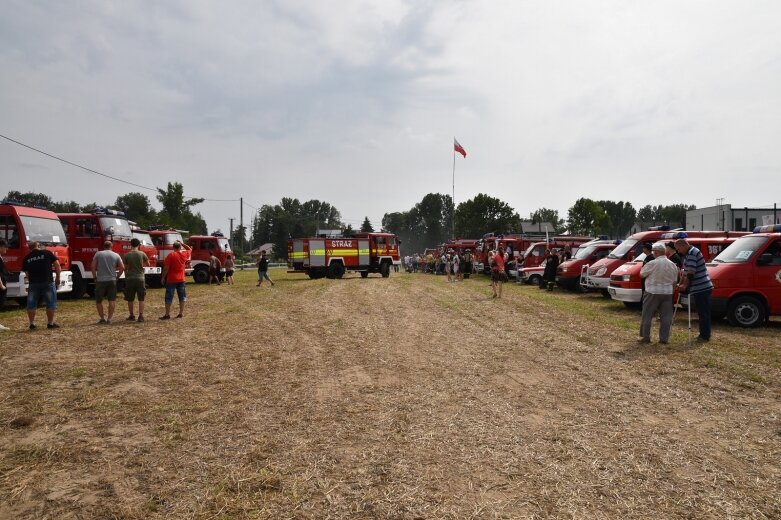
(116, 227)
(44, 230)
(741, 250)
(144, 238)
(623, 248)
(584, 252)
(171, 238)
(224, 245)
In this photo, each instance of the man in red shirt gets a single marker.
(173, 278)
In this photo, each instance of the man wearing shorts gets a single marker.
(263, 269)
(173, 278)
(37, 266)
(135, 261)
(107, 267)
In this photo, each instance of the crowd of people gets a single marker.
(107, 268)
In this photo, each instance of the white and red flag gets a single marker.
(457, 147)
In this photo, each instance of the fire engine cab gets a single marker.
(20, 225)
(203, 247)
(746, 278)
(152, 274)
(86, 234)
(331, 257)
(164, 240)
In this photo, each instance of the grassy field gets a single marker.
(405, 397)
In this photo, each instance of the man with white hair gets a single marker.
(660, 274)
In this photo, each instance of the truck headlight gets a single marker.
(601, 271)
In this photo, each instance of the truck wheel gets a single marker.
(364, 274)
(535, 279)
(746, 311)
(385, 269)
(578, 288)
(605, 293)
(633, 305)
(22, 302)
(335, 270)
(155, 282)
(201, 275)
(78, 285)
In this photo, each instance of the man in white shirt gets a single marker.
(660, 274)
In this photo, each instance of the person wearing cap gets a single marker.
(660, 275)
(697, 284)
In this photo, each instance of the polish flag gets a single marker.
(457, 147)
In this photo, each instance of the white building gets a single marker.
(728, 218)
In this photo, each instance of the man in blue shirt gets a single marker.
(697, 284)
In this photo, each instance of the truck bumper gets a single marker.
(19, 289)
(625, 295)
(568, 282)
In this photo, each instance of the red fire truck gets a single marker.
(331, 257)
(164, 240)
(625, 281)
(746, 278)
(568, 272)
(86, 234)
(203, 247)
(152, 273)
(20, 225)
(597, 276)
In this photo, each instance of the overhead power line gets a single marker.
(96, 172)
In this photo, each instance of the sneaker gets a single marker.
(166, 317)
(140, 319)
(643, 340)
(101, 321)
(700, 339)
(663, 342)
(32, 326)
(52, 326)
(179, 316)
(108, 322)
(130, 318)
(3, 327)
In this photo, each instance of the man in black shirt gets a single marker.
(3, 274)
(37, 266)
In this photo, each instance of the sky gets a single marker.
(357, 103)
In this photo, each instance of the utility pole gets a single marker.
(233, 240)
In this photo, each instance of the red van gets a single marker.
(746, 278)
(568, 273)
(626, 284)
(597, 275)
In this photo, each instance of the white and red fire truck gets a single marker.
(331, 257)
(20, 225)
(86, 234)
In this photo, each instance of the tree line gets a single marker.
(429, 222)
(176, 209)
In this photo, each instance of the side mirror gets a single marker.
(764, 259)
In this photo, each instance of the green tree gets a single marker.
(588, 218)
(483, 214)
(621, 216)
(292, 219)
(137, 208)
(367, 226)
(427, 224)
(549, 215)
(177, 210)
(31, 199)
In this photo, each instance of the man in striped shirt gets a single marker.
(697, 284)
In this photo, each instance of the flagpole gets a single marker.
(453, 212)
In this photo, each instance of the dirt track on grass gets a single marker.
(401, 398)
